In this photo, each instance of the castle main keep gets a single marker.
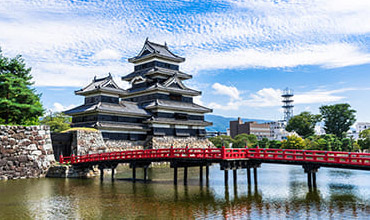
(157, 104)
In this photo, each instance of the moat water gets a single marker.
(282, 192)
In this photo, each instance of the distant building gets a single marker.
(214, 133)
(319, 129)
(360, 126)
(277, 130)
(260, 130)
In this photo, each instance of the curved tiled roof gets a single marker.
(105, 84)
(123, 108)
(151, 49)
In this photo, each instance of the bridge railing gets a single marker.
(227, 153)
(195, 153)
(310, 156)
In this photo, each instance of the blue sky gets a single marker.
(241, 54)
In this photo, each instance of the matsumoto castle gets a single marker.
(157, 104)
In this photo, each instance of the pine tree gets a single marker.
(19, 103)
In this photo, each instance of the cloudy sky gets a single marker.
(242, 54)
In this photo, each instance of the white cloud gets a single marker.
(57, 107)
(230, 91)
(62, 38)
(270, 97)
(107, 54)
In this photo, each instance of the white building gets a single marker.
(277, 130)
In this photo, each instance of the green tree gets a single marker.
(293, 142)
(58, 122)
(19, 103)
(274, 144)
(364, 139)
(222, 140)
(303, 124)
(242, 140)
(264, 143)
(337, 118)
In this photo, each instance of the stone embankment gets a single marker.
(64, 171)
(177, 142)
(25, 151)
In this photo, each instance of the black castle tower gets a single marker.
(157, 104)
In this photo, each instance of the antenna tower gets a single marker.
(287, 103)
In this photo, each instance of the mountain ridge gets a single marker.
(221, 123)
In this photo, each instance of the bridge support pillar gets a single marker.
(226, 176)
(201, 175)
(133, 173)
(249, 176)
(145, 173)
(175, 175)
(314, 180)
(207, 174)
(235, 176)
(311, 170)
(185, 175)
(113, 169)
(309, 179)
(101, 173)
(255, 175)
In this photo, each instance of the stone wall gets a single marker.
(120, 145)
(191, 142)
(69, 171)
(88, 142)
(25, 151)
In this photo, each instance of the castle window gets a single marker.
(175, 97)
(181, 116)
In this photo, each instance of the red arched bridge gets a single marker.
(228, 158)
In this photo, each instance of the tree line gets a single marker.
(337, 120)
(326, 142)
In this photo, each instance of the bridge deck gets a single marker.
(348, 160)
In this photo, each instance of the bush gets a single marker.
(293, 142)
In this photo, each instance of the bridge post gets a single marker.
(314, 179)
(249, 175)
(134, 173)
(145, 173)
(235, 176)
(101, 173)
(207, 174)
(185, 175)
(113, 173)
(201, 175)
(311, 170)
(309, 181)
(226, 176)
(255, 175)
(175, 175)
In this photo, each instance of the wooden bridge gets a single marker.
(228, 158)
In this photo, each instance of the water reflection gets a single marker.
(282, 192)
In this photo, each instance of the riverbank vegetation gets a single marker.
(326, 142)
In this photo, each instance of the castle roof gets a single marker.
(151, 49)
(172, 85)
(178, 122)
(176, 106)
(123, 108)
(156, 71)
(106, 85)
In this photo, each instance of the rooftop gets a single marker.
(151, 49)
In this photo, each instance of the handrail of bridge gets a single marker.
(223, 153)
(338, 157)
